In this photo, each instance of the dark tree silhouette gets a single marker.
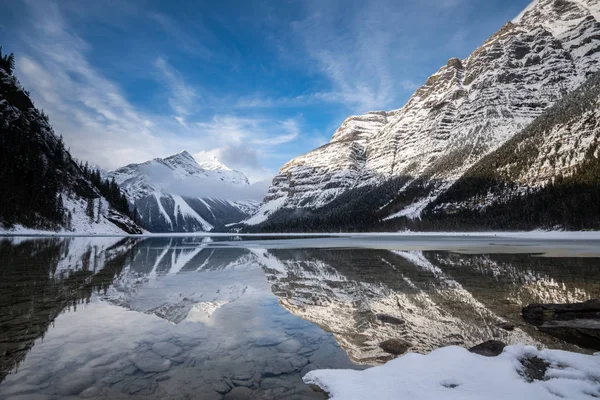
(7, 62)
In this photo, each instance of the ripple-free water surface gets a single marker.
(198, 318)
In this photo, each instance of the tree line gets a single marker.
(36, 169)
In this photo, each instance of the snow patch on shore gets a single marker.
(455, 373)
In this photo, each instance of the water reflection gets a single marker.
(191, 318)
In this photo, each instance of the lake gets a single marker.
(199, 317)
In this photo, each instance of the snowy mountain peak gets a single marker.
(182, 156)
(214, 164)
(176, 193)
(558, 16)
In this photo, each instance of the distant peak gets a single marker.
(213, 163)
(182, 155)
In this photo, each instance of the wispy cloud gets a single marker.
(351, 44)
(250, 131)
(102, 126)
(190, 43)
(182, 98)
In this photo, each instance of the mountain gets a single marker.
(546, 176)
(389, 165)
(42, 186)
(177, 194)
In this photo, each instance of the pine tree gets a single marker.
(99, 211)
(90, 209)
(7, 62)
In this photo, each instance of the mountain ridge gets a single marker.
(467, 109)
(177, 194)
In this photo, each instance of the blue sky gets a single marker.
(254, 83)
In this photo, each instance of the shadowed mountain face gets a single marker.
(222, 291)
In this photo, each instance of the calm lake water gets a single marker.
(229, 317)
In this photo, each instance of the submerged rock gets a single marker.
(72, 386)
(278, 366)
(577, 323)
(388, 319)
(537, 314)
(166, 349)
(239, 393)
(150, 362)
(289, 346)
(395, 346)
(491, 348)
(90, 392)
(507, 326)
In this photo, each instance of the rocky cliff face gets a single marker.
(547, 174)
(176, 194)
(464, 111)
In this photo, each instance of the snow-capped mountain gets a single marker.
(546, 176)
(43, 187)
(464, 111)
(177, 194)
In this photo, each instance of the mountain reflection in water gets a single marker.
(198, 317)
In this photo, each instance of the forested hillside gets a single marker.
(42, 186)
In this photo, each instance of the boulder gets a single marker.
(577, 323)
(491, 348)
(388, 319)
(534, 368)
(537, 314)
(395, 346)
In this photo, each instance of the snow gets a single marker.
(519, 17)
(180, 178)
(163, 212)
(455, 373)
(265, 210)
(183, 208)
(80, 221)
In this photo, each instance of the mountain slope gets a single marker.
(546, 176)
(42, 186)
(176, 194)
(464, 111)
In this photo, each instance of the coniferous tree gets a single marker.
(7, 62)
(90, 209)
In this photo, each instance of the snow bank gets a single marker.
(455, 373)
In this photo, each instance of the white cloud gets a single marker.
(352, 44)
(101, 126)
(183, 98)
(250, 130)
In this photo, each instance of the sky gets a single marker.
(253, 83)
